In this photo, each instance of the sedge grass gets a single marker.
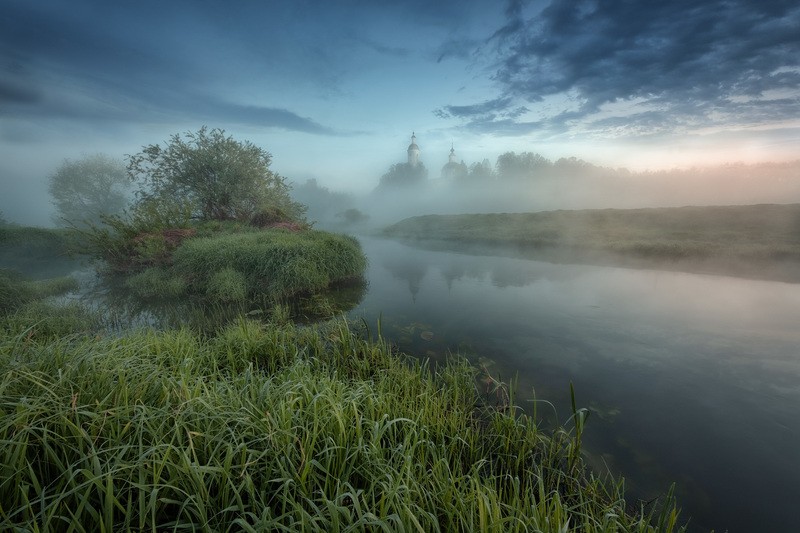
(275, 262)
(277, 427)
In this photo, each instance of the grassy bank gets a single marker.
(17, 290)
(39, 252)
(272, 427)
(221, 263)
(718, 238)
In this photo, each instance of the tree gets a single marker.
(403, 175)
(523, 166)
(217, 177)
(480, 172)
(88, 188)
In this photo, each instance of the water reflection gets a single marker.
(691, 378)
(123, 309)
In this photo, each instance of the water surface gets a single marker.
(690, 378)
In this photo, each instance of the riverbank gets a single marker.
(269, 425)
(758, 241)
(266, 426)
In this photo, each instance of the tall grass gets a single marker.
(273, 262)
(277, 427)
(16, 290)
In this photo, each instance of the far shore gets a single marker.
(753, 241)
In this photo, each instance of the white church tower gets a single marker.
(413, 151)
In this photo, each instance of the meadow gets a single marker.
(756, 240)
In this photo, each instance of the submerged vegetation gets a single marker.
(730, 239)
(265, 427)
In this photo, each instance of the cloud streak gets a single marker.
(59, 64)
(692, 62)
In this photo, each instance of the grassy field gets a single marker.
(732, 239)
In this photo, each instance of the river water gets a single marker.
(692, 379)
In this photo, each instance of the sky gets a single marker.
(334, 89)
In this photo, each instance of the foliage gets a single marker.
(227, 285)
(144, 237)
(16, 290)
(480, 172)
(277, 263)
(155, 283)
(511, 165)
(404, 175)
(264, 428)
(39, 320)
(219, 177)
(85, 189)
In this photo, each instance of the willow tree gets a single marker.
(216, 176)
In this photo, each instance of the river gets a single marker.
(692, 379)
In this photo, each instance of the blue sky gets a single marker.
(333, 89)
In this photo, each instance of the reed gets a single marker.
(278, 427)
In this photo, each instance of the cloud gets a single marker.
(80, 62)
(469, 111)
(16, 94)
(708, 62)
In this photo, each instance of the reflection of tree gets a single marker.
(406, 269)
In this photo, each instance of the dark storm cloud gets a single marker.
(85, 60)
(706, 59)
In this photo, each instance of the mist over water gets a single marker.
(691, 379)
(589, 188)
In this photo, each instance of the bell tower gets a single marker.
(413, 151)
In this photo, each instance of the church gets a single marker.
(414, 173)
(451, 169)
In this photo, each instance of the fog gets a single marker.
(586, 187)
(568, 183)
